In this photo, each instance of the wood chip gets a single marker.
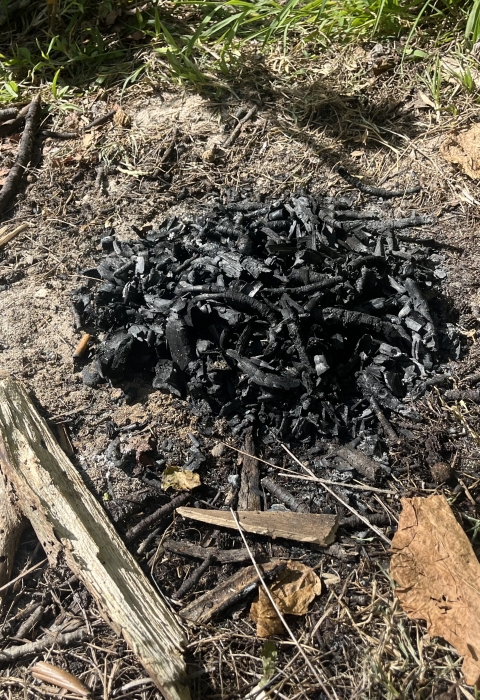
(316, 529)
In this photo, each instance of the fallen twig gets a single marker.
(100, 120)
(60, 640)
(223, 556)
(233, 136)
(387, 428)
(157, 515)
(17, 170)
(23, 574)
(28, 624)
(193, 579)
(8, 236)
(11, 127)
(230, 592)
(59, 135)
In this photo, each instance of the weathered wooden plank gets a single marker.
(70, 522)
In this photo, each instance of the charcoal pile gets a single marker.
(306, 315)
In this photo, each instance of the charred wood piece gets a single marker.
(284, 496)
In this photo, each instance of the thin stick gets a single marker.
(8, 236)
(340, 500)
(359, 487)
(275, 606)
(22, 575)
(230, 139)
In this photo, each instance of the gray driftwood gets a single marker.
(316, 529)
(12, 523)
(68, 521)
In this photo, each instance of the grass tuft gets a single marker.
(83, 45)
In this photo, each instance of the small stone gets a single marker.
(441, 472)
(217, 450)
(91, 377)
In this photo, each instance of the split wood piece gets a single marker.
(69, 521)
(50, 640)
(222, 556)
(284, 496)
(12, 182)
(230, 592)
(249, 492)
(8, 236)
(12, 524)
(360, 462)
(316, 529)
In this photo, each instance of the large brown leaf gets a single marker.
(438, 577)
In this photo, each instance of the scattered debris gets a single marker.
(437, 576)
(293, 591)
(316, 528)
(82, 346)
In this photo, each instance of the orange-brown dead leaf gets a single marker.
(464, 150)
(438, 577)
(293, 592)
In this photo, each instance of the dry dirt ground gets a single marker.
(379, 127)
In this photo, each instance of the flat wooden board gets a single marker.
(313, 528)
(68, 520)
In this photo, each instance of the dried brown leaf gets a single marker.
(293, 591)
(438, 576)
(121, 119)
(179, 479)
(464, 149)
(48, 673)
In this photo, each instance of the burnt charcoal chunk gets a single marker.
(168, 378)
(180, 342)
(114, 354)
